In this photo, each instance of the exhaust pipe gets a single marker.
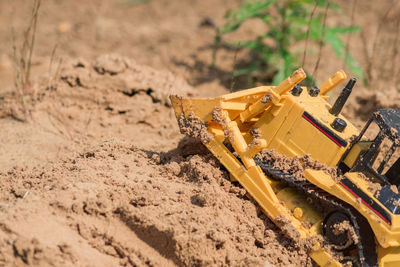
(344, 95)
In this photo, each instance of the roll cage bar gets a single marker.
(388, 121)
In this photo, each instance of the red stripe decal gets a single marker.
(365, 203)
(330, 137)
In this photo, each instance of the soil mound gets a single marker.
(117, 204)
(365, 102)
(88, 103)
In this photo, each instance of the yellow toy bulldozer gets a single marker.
(360, 223)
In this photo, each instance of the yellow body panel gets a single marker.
(389, 257)
(355, 151)
(293, 126)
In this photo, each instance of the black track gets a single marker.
(366, 243)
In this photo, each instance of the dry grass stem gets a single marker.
(321, 43)
(23, 60)
(308, 33)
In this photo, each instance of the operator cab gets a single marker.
(379, 144)
(376, 154)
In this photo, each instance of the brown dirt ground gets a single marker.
(100, 175)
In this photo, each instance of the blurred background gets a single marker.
(180, 35)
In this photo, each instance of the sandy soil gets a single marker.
(105, 178)
(116, 203)
(100, 175)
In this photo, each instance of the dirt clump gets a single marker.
(111, 64)
(218, 116)
(295, 166)
(309, 243)
(373, 186)
(287, 227)
(309, 163)
(266, 98)
(256, 134)
(346, 227)
(194, 127)
(289, 165)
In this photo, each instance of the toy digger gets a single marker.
(295, 121)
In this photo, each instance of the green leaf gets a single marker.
(315, 30)
(322, 4)
(354, 67)
(287, 23)
(344, 30)
(308, 2)
(340, 50)
(134, 2)
(334, 6)
(248, 10)
(280, 76)
(245, 71)
(337, 44)
(303, 21)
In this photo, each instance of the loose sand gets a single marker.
(101, 201)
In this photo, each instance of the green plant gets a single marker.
(288, 22)
(134, 2)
